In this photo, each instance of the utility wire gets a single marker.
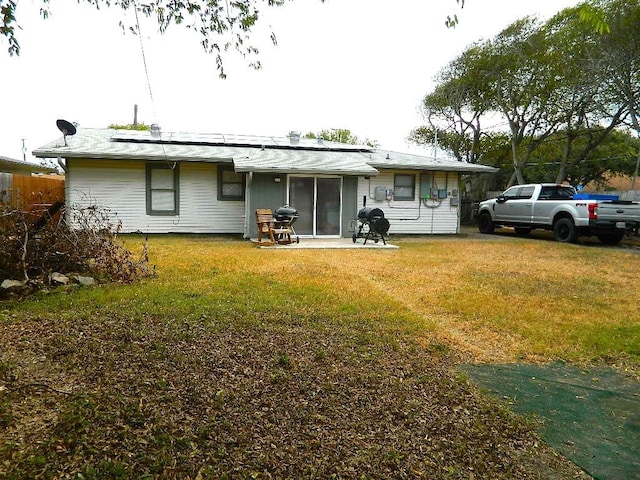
(144, 62)
(146, 72)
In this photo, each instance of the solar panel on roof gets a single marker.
(216, 139)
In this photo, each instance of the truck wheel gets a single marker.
(522, 231)
(611, 238)
(565, 231)
(485, 225)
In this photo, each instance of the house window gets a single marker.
(162, 189)
(230, 184)
(404, 187)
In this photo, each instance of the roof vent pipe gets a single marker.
(294, 137)
(155, 130)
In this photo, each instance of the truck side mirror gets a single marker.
(501, 199)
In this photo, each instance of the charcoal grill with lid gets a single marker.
(373, 225)
(284, 218)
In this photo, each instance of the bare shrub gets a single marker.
(36, 241)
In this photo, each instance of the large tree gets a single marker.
(621, 61)
(454, 109)
(520, 82)
(587, 116)
(545, 80)
(505, 79)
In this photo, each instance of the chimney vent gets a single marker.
(294, 137)
(155, 130)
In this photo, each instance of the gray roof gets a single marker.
(247, 153)
(308, 162)
(407, 161)
(11, 165)
(97, 143)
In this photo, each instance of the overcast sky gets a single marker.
(357, 64)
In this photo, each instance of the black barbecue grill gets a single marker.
(285, 217)
(373, 225)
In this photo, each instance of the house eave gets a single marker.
(302, 171)
(462, 168)
(10, 165)
(120, 157)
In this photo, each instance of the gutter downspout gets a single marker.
(247, 207)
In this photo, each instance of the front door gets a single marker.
(318, 200)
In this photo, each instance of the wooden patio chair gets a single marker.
(265, 221)
(270, 228)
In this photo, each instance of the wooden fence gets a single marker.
(30, 192)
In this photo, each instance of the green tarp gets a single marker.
(590, 416)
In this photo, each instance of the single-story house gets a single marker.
(157, 182)
(10, 165)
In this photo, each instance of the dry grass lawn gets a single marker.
(239, 362)
(492, 300)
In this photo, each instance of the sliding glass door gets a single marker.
(318, 199)
(301, 196)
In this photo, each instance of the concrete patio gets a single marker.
(329, 243)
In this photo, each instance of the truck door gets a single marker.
(522, 207)
(515, 205)
(549, 198)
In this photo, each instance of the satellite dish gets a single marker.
(67, 128)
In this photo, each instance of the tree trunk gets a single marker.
(562, 174)
(517, 167)
(635, 174)
(636, 127)
(512, 180)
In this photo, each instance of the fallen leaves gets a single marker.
(243, 403)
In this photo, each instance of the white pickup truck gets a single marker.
(553, 207)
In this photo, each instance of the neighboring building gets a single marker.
(213, 183)
(9, 165)
(612, 184)
(23, 183)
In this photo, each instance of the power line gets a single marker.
(144, 62)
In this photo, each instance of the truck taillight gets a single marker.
(593, 211)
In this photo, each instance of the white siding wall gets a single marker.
(413, 217)
(120, 186)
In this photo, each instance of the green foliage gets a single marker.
(594, 17)
(8, 25)
(139, 127)
(615, 155)
(341, 135)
